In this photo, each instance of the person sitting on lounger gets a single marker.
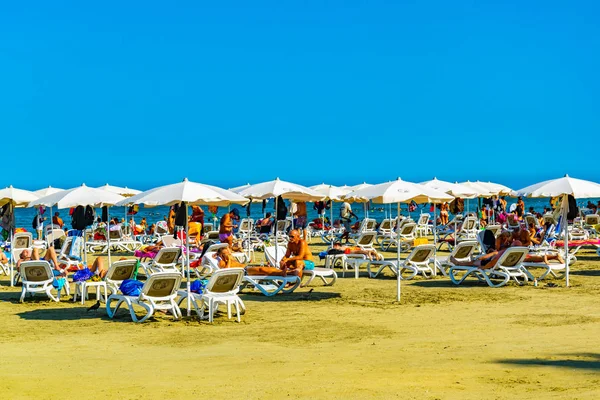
(526, 240)
(298, 255)
(264, 225)
(339, 249)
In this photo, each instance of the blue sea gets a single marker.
(24, 216)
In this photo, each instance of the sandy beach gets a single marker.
(351, 340)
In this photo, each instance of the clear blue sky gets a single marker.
(146, 93)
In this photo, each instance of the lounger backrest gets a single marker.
(22, 240)
(246, 225)
(408, 229)
(210, 259)
(403, 222)
(531, 219)
(370, 224)
(464, 250)
(592, 219)
(495, 229)
(162, 228)
(114, 234)
(366, 239)
(270, 255)
(225, 280)
(513, 257)
(167, 256)
(421, 253)
(423, 219)
(215, 247)
(49, 227)
(207, 227)
(385, 225)
(125, 230)
(161, 285)
(36, 271)
(212, 235)
(66, 247)
(469, 224)
(54, 234)
(121, 270)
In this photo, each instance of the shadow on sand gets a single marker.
(586, 361)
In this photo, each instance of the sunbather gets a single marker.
(298, 255)
(339, 249)
(226, 260)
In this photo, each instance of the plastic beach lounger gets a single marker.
(271, 285)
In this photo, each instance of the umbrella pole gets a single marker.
(398, 260)
(566, 241)
(331, 220)
(12, 269)
(108, 233)
(276, 231)
(434, 242)
(187, 262)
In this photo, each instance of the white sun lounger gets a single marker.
(417, 262)
(158, 293)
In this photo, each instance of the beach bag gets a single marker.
(82, 275)
(198, 286)
(131, 287)
(76, 248)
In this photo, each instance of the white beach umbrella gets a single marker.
(482, 191)
(362, 186)
(276, 188)
(400, 191)
(578, 188)
(123, 191)
(189, 193)
(454, 189)
(496, 188)
(237, 189)
(330, 192)
(46, 191)
(16, 197)
(79, 196)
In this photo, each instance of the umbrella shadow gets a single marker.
(60, 314)
(585, 361)
(294, 296)
(589, 272)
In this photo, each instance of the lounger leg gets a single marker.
(237, 310)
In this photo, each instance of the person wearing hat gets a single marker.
(226, 226)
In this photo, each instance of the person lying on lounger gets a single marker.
(226, 259)
(339, 249)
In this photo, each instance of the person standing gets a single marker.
(345, 215)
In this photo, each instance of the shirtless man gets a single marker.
(226, 226)
(297, 256)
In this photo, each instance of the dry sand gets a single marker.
(350, 340)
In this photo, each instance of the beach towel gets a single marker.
(76, 248)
